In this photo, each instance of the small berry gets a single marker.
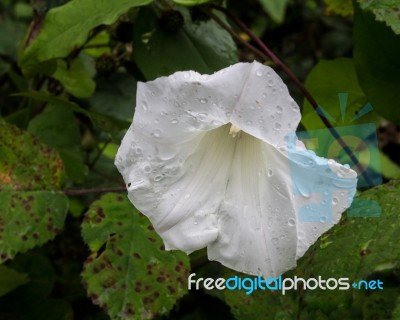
(106, 65)
(171, 21)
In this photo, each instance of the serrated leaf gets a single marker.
(10, 279)
(203, 47)
(128, 273)
(67, 27)
(275, 9)
(46, 127)
(33, 211)
(356, 248)
(376, 53)
(75, 78)
(387, 11)
(341, 7)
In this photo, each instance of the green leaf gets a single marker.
(203, 47)
(128, 273)
(115, 97)
(67, 27)
(325, 81)
(33, 211)
(387, 11)
(10, 279)
(376, 57)
(11, 33)
(46, 127)
(341, 7)
(75, 78)
(109, 124)
(356, 248)
(191, 2)
(275, 9)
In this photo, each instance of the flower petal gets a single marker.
(212, 162)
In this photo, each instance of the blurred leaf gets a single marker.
(203, 47)
(75, 78)
(387, 11)
(10, 279)
(116, 96)
(190, 2)
(325, 81)
(31, 300)
(33, 211)
(11, 33)
(275, 9)
(128, 273)
(67, 27)
(99, 45)
(342, 7)
(355, 248)
(46, 127)
(390, 169)
(376, 58)
(110, 125)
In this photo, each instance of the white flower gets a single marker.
(213, 162)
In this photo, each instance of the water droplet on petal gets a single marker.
(249, 122)
(259, 73)
(156, 133)
(335, 201)
(301, 235)
(203, 100)
(174, 121)
(156, 121)
(158, 178)
(277, 126)
(144, 106)
(147, 169)
(323, 219)
(279, 109)
(138, 150)
(291, 222)
(187, 195)
(275, 241)
(264, 95)
(270, 172)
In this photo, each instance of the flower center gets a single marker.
(233, 131)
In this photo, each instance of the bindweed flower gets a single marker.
(213, 161)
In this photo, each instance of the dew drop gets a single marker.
(249, 122)
(291, 222)
(323, 219)
(156, 121)
(264, 95)
(158, 178)
(144, 106)
(252, 107)
(174, 121)
(271, 82)
(203, 100)
(335, 201)
(147, 169)
(277, 126)
(259, 73)
(270, 172)
(156, 133)
(301, 235)
(187, 195)
(279, 109)
(275, 241)
(138, 150)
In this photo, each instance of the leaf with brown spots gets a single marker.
(32, 209)
(127, 273)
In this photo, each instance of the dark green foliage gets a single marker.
(72, 249)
